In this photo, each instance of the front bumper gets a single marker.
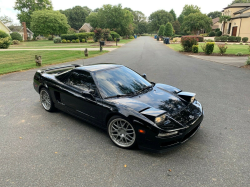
(161, 144)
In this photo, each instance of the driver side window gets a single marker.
(82, 80)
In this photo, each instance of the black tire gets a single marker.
(46, 100)
(121, 132)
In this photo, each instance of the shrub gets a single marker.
(219, 33)
(85, 35)
(83, 40)
(212, 34)
(114, 34)
(209, 40)
(5, 43)
(187, 43)
(205, 34)
(248, 61)
(3, 34)
(238, 39)
(217, 39)
(239, 54)
(77, 41)
(217, 30)
(131, 37)
(225, 43)
(109, 38)
(68, 41)
(73, 41)
(245, 39)
(241, 43)
(64, 41)
(50, 37)
(15, 42)
(90, 41)
(105, 33)
(98, 33)
(69, 36)
(57, 40)
(195, 48)
(231, 38)
(222, 48)
(203, 47)
(209, 48)
(223, 38)
(16, 36)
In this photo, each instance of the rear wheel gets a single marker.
(46, 100)
(121, 132)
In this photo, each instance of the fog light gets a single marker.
(167, 134)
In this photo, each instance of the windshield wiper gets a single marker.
(145, 88)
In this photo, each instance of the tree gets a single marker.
(224, 20)
(93, 19)
(189, 9)
(239, 1)
(158, 18)
(214, 14)
(142, 27)
(181, 19)
(173, 13)
(161, 31)
(49, 22)
(195, 22)
(177, 27)
(87, 9)
(76, 16)
(168, 31)
(6, 20)
(27, 7)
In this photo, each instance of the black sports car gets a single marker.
(133, 110)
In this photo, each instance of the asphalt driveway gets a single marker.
(38, 148)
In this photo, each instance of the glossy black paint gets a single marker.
(141, 109)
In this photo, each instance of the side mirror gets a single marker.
(89, 95)
(144, 76)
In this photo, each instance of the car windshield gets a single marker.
(120, 81)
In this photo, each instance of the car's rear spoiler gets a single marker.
(59, 67)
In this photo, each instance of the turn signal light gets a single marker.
(142, 131)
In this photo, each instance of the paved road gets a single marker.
(38, 148)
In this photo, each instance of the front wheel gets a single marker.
(46, 100)
(121, 132)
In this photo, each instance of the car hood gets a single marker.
(157, 98)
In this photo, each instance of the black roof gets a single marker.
(98, 67)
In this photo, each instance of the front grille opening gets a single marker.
(188, 135)
(165, 144)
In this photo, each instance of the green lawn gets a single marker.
(12, 61)
(48, 44)
(232, 49)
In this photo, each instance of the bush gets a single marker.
(187, 43)
(203, 47)
(209, 48)
(195, 48)
(217, 39)
(222, 48)
(64, 41)
(114, 34)
(69, 36)
(211, 34)
(239, 54)
(131, 37)
(245, 39)
(5, 43)
(109, 38)
(57, 40)
(248, 61)
(219, 33)
(223, 38)
(231, 38)
(73, 41)
(15, 42)
(205, 34)
(85, 35)
(238, 39)
(68, 41)
(217, 30)
(50, 37)
(77, 41)
(241, 43)
(16, 36)
(90, 41)
(3, 34)
(83, 40)
(209, 40)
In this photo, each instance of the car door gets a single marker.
(76, 103)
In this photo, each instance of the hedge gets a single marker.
(16, 36)
(200, 38)
(80, 36)
(187, 42)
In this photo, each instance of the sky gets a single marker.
(147, 7)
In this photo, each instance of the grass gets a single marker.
(12, 61)
(232, 49)
(48, 44)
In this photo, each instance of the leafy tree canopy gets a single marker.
(141, 28)
(239, 1)
(173, 14)
(214, 14)
(76, 16)
(161, 31)
(27, 7)
(181, 18)
(46, 22)
(189, 9)
(158, 18)
(168, 30)
(6, 20)
(195, 22)
(224, 19)
(177, 27)
(93, 19)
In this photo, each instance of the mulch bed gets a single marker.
(213, 54)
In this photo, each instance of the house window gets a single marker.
(229, 28)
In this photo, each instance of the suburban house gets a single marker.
(4, 28)
(20, 30)
(239, 24)
(216, 24)
(87, 27)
